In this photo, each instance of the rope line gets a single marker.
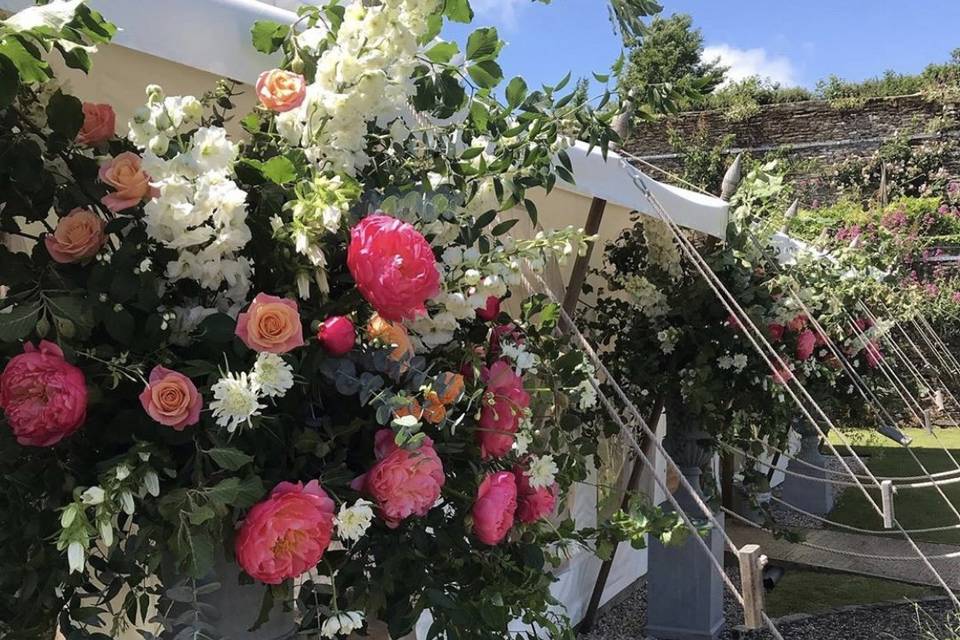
(841, 525)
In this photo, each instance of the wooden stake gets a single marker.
(579, 274)
(751, 583)
(887, 490)
(938, 400)
(927, 422)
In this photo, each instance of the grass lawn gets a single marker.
(802, 591)
(916, 508)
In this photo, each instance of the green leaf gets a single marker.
(18, 322)
(458, 11)
(27, 60)
(516, 92)
(65, 114)
(268, 36)
(531, 210)
(9, 82)
(503, 227)
(279, 170)
(483, 44)
(486, 73)
(442, 52)
(229, 458)
(479, 115)
(120, 325)
(195, 550)
(200, 515)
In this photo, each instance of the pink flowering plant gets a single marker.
(300, 354)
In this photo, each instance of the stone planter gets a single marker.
(233, 609)
(809, 494)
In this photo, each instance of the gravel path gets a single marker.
(896, 622)
(787, 517)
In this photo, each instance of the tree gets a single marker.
(670, 53)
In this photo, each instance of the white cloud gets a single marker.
(504, 12)
(744, 63)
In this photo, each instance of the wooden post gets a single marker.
(579, 274)
(751, 584)
(927, 422)
(938, 400)
(728, 469)
(887, 490)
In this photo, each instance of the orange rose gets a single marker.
(393, 334)
(433, 411)
(271, 324)
(280, 90)
(410, 409)
(131, 184)
(99, 124)
(78, 236)
(451, 387)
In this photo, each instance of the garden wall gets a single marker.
(820, 132)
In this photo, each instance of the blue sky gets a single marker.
(792, 41)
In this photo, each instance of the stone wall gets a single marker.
(815, 130)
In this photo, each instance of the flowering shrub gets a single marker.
(287, 351)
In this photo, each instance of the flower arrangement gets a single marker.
(287, 350)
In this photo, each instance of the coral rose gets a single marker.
(504, 402)
(494, 508)
(776, 331)
(533, 503)
(393, 334)
(78, 236)
(280, 90)
(806, 342)
(99, 124)
(271, 324)
(450, 386)
(131, 185)
(403, 482)
(171, 399)
(393, 266)
(43, 396)
(337, 335)
(798, 324)
(491, 310)
(285, 535)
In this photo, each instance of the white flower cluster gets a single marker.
(470, 277)
(668, 339)
(341, 623)
(736, 362)
(237, 396)
(647, 297)
(542, 471)
(200, 212)
(662, 249)
(585, 393)
(364, 76)
(352, 522)
(523, 360)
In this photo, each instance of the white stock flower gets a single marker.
(353, 521)
(542, 471)
(236, 400)
(92, 496)
(272, 375)
(341, 623)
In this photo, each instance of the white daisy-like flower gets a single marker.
(272, 375)
(341, 623)
(236, 400)
(542, 472)
(724, 362)
(740, 361)
(353, 521)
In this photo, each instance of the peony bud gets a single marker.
(337, 335)
(491, 310)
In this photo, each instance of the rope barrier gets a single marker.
(841, 525)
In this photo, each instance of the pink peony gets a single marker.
(171, 399)
(337, 335)
(873, 354)
(491, 310)
(776, 331)
(280, 90)
(99, 124)
(271, 324)
(285, 535)
(403, 482)
(494, 508)
(131, 185)
(504, 402)
(393, 265)
(43, 396)
(533, 503)
(805, 344)
(79, 236)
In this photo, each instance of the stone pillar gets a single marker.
(810, 495)
(684, 589)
